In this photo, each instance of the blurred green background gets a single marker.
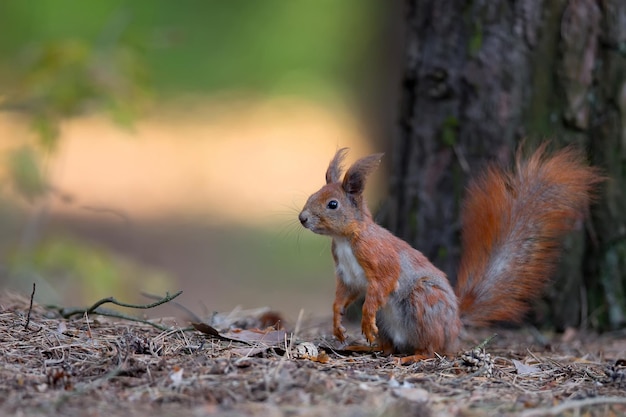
(158, 145)
(305, 47)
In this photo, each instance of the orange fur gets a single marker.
(512, 226)
(512, 223)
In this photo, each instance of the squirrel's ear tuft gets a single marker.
(333, 173)
(354, 180)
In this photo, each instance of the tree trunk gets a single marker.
(607, 282)
(482, 75)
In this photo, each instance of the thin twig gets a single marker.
(30, 308)
(88, 326)
(191, 314)
(462, 159)
(118, 315)
(94, 309)
(112, 300)
(486, 341)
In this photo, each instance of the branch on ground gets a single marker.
(67, 312)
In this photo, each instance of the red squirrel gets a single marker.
(512, 222)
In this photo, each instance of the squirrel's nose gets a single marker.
(303, 218)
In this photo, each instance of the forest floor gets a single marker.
(101, 366)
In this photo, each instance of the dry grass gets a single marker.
(105, 367)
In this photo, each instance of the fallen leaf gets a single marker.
(272, 319)
(306, 350)
(523, 369)
(412, 394)
(269, 337)
(261, 339)
(205, 328)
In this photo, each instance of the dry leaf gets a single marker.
(412, 394)
(272, 338)
(523, 369)
(306, 350)
(269, 337)
(272, 319)
(205, 328)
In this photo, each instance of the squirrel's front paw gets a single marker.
(370, 330)
(340, 333)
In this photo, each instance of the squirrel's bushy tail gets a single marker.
(512, 226)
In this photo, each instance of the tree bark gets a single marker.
(607, 281)
(480, 76)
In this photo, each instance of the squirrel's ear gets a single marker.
(333, 173)
(354, 180)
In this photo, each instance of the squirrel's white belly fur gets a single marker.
(353, 276)
(348, 268)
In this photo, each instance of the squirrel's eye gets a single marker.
(332, 204)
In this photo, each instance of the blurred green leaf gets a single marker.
(47, 129)
(307, 47)
(25, 173)
(63, 79)
(77, 266)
